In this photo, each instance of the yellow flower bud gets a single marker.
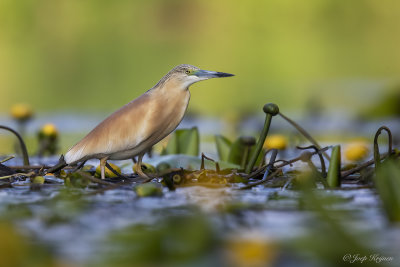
(356, 151)
(276, 141)
(21, 112)
(49, 129)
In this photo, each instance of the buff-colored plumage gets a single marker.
(140, 124)
(133, 128)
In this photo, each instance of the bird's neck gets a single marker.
(174, 85)
(174, 99)
(171, 91)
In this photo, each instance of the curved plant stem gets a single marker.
(300, 158)
(323, 167)
(304, 133)
(283, 164)
(21, 143)
(259, 145)
(377, 156)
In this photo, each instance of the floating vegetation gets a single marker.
(244, 153)
(186, 195)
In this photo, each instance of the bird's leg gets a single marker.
(103, 167)
(139, 167)
(78, 167)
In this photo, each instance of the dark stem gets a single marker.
(21, 143)
(30, 167)
(60, 165)
(272, 160)
(377, 156)
(265, 178)
(323, 167)
(115, 172)
(210, 159)
(283, 164)
(304, 133)
(79, 166)
(357, 169)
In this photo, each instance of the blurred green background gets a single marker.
(98, 55)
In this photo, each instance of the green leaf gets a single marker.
(333, 176)
(387, 183)
(223, 147)
(172, 146)
(183, 141)
(188, 141)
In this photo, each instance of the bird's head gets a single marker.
(185, 75)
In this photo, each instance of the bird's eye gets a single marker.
(187, 72)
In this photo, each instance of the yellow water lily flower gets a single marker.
(21, 112)
(276, 141)
(49, 129)
(356, 151)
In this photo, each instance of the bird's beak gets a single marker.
(207, 74)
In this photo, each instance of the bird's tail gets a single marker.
(61, 164)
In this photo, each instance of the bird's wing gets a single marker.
(123, 130)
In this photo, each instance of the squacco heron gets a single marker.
(143, 122)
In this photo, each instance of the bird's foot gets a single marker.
(146, 177)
